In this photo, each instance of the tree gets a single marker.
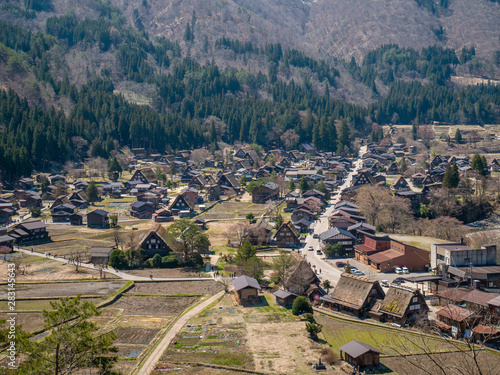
(451, 176)
(243, 180)
(290, 139)
(77, 256)
(396, 213)
(281, 266)
(250, 217)
(278, 221)
(332, 250)
(403, 165)
(327, 285)
(426, 134)
(156, 261)
(254, 267)
(301, 305)
(73, 343)
(245, 252)
(92, 192)
(117, 259)
(35, 211)
(304, 186)
(371, 200)
(344, 137)
(160, 175)
(458, 136)
(114, 168)
(291, 185)
(479, 164)
(188, 238)
(313, 329)
(347, 268)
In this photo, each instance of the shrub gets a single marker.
(169, 261)
(313, 329)
(156, 261)
(329, 356)
(301, 305)
(117, 259)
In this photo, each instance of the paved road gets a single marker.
(120, 274)
(328, 271)
(155, 356)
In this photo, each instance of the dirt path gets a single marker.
(155, 356)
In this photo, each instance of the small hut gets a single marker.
(360, 355)
(247, 289)
(284, 298)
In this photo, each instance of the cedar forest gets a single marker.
(189, 94)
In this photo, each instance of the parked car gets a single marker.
(405, 270)
(358, 273)
(385, 283)
(318, 252)
(398, 270)
(315, 235)
(353, 268)
(340, 264)
(398, 280)
(310, 248)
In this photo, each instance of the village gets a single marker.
(200, 260)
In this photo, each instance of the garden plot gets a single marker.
(135, 335)
(91, 288)
(154, 306)
(232, 210)
(38, 305)
(177, 287)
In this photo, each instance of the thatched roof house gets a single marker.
(354, 294)
(401, 304)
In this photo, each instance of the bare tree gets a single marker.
(237, 233)
(289, 138)
(77, 257)
(101, 267)
(447, 228)
(97, 167)
(396, 213)
(281, 265)
(118, 239)
(199, 155)
(426, 133)
(371, 200)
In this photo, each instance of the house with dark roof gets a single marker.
(337, 236)
(362, 178)
(259, 234)
(284, 298)
(76, 218)
(401, 184)
(182, 206)
(265, 192)
(301, 276)
(287, 235)
(360, 355)
(353, 294)
(97, 219)
(228, 181)
(401, 305)
(302, 214)
(32, 231)
(393, 168)
(162, 216)
(246, 290)
(417, 178)
(145, 175)
(154, 242)
(142, 210)
(456, 320)
(359, 230)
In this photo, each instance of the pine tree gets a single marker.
(92, 192)
(458, 136)
(304, 186)
(344, 136)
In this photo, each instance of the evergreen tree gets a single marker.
(304, 186)
(92, 192)
(458, 136)
(479, 164)
(344, 136)
(451, 176)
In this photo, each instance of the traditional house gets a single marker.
(393, 168)
(62, 212)
(79, 199)
(259, 234)
(182, 206)
(162, 216)
(76, 218)
(246, 290)
(287, 235)
(418, 178)
(414, 198)
(265, 192)
(142, 210)
(494, 165)
(227, 180)
(458, 320)
(284, 298)
(97, 219)
(315, 193)
(354, 294)
(301, 276)
(338, 236)
(359, 230)
(100, 255)
(363, 178)
(360, 355)
(154, 242)
(341, 222)
(427, 180)
(302, 214)
(401, 184)
(32, 231)
(145, 175)
(401, 305)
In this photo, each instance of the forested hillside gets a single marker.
(89, 80)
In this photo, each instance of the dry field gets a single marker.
(176, 287)
(44, 269)
(165, 272)
(56, 290)
(154, 306)
(135, 335)
(30, 322)
(232, 210)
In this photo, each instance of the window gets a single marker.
(414, 307)
(414, 299)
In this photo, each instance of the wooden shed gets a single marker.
(247, 289)
(360, 355)
(284, 298)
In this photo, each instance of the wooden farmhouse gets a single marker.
(354, 294)
(145, 175)
(287, 235)
(246, 290)
(401, 305)
(284, 298)
(401, 184)
(97, 219)
(265, 192)
(100, 255)
(360, 355)
(154, 242)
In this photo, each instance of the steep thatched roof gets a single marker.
(397, 300)
(353, 291)
(158, 229)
